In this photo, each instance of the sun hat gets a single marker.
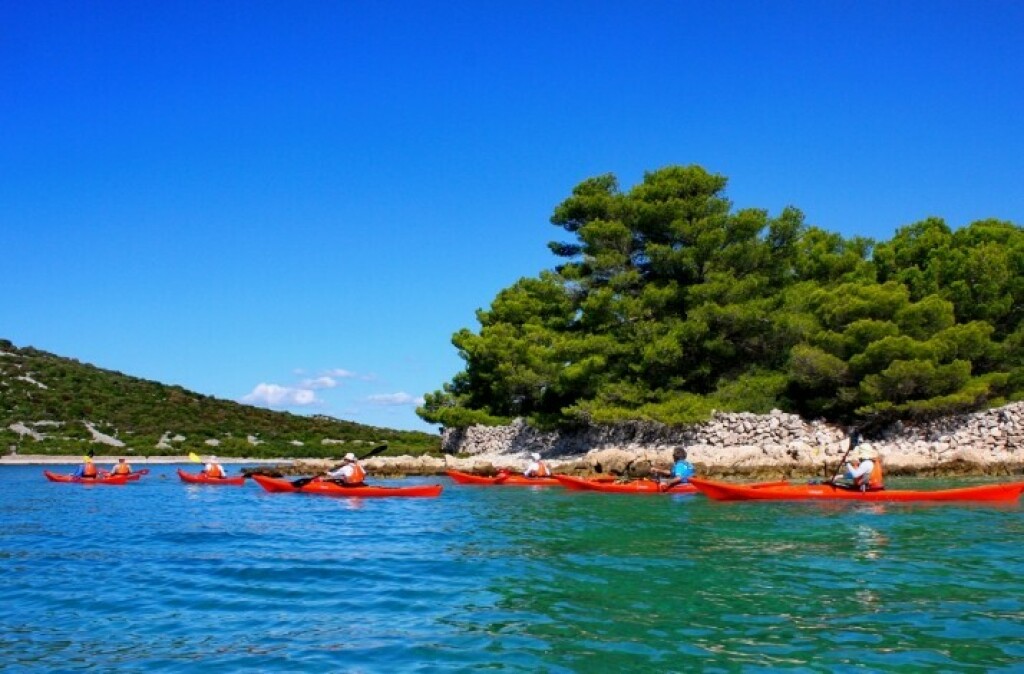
(350, 457)
(535, 456)
(866, 451)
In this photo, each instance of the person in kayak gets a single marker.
(88, 470)
(213, 469)
(536, 467)
(349, 474)
(865, 471)
(122, 467)
(682, 470)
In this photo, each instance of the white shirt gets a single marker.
(344, 473)
(532, 469)
(863, 469)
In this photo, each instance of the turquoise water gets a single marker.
(162, 576)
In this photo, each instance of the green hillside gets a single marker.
(55, 405)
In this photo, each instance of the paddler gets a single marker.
(865, 471)
(349, 474)
(536, 467)
(88, 470)
(122, 467)
(213, 469)
(682, 470)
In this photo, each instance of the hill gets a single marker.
(55, 405)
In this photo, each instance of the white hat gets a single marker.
(535, 456)
(213, 458)
(350, 457)
(866, 451)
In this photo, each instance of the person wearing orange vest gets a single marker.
(349, 474)
(866, 470)
(536, 467)
(122, 467)
(87, 470)
(213, 469)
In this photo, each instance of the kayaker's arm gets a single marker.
(303, 481)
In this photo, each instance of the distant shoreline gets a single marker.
(50, 459)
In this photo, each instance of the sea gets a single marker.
(163, 576)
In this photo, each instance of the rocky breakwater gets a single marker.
(744, 444)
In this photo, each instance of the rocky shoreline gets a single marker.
(738, 445)
(990, 442)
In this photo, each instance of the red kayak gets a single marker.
(318, 486)
(505, 480)
(108, 479)
(612, 487)
(643, 486)
(199, 478)
(723, 491)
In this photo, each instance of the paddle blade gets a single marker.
(373, 452)
(193, 457)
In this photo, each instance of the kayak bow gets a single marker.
(199, 478)
(723, 491)
(318, 486)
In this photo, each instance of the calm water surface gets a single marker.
(162, 576)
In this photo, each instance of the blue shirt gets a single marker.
(683, 469)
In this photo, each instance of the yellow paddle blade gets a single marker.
(192, 456)
(86, 458)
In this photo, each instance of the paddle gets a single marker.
(854, 441)
(303, 481)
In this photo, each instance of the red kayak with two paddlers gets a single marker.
(99, 479)
(200, 478)
(724, 491)
(327, 488)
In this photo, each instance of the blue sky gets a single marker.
(298, 204)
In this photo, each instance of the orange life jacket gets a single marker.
(215, 471)
(542, 470)
(358, 475)
(89, 470)
(122, 469)
(874, 479)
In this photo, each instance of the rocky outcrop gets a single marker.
(23, 430)
(744, 443)
(103, 438)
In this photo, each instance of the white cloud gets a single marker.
(340, 373)
(393, 399)
(273, 395)
(319, 383)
